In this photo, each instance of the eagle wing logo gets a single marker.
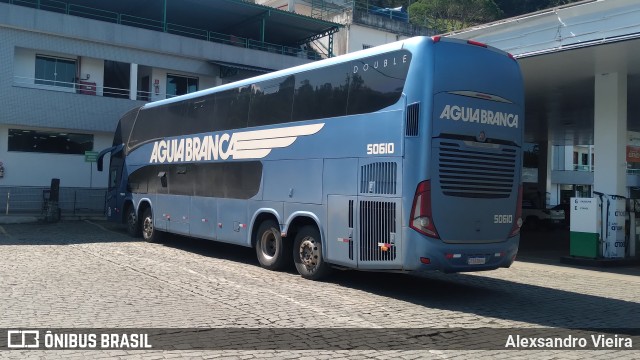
(257, 144)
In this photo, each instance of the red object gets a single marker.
(476, 43)
(421, 214)
(87, 88)
(518, 222)
(633, 154)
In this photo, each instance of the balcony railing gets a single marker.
(589, 168)
(157, 25)
(86, 88)
(579, 167)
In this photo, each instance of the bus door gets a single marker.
(232, 220)
(179, 201)
(116, 190)
(162, 209)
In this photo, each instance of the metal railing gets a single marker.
(579, 167)
(33, 200)
(157, 25)
(389, 13)
(590, 168)
(85, 88)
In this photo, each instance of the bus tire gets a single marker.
(307, 254)
(272, 251)
(133, 225)
(149, 232)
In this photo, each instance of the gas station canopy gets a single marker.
(561, 51)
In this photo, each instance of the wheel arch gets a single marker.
(125, 206)
(258, 218)
(299, 219)
(143, 204)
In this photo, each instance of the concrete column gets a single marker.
(544, 173)
(568, 158)
(610, 172)
(548, 169)
(610, 133)
(133, 82)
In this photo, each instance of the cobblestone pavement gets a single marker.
(92, 275)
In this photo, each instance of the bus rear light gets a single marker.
(476, 43)
(425, 260)
(421, 214)
(515, 230)
(436, 38)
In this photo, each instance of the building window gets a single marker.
(49, 142)
(180, 85)
(55, 71)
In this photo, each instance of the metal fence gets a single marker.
(33, 200)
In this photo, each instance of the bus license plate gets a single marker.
(476, 260)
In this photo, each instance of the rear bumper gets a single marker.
(461, 258)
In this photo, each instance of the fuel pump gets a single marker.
(598, 227)
(633, 208)
(615, 242)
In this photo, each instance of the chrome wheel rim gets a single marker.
(131, 220)
(147, 228)
(309, 253)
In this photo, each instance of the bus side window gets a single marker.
(271, 102)
(321, 93)
(232, 109)
(377, 82)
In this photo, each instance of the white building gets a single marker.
(364, 26)
(71, 68)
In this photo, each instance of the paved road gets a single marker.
(92, 275)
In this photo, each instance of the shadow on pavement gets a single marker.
(474, 294)
(63, 233)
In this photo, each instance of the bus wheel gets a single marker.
(149, 233)
(307, 254)
(271, 249)
(133, 226)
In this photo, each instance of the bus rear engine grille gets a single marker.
(476, 173)
(378, 178)
(377, 226)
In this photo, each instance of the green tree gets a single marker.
(518, 7)
(450, 15)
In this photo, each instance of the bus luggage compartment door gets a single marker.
(341, 243)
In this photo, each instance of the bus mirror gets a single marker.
(99, 163)
(101, 157)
